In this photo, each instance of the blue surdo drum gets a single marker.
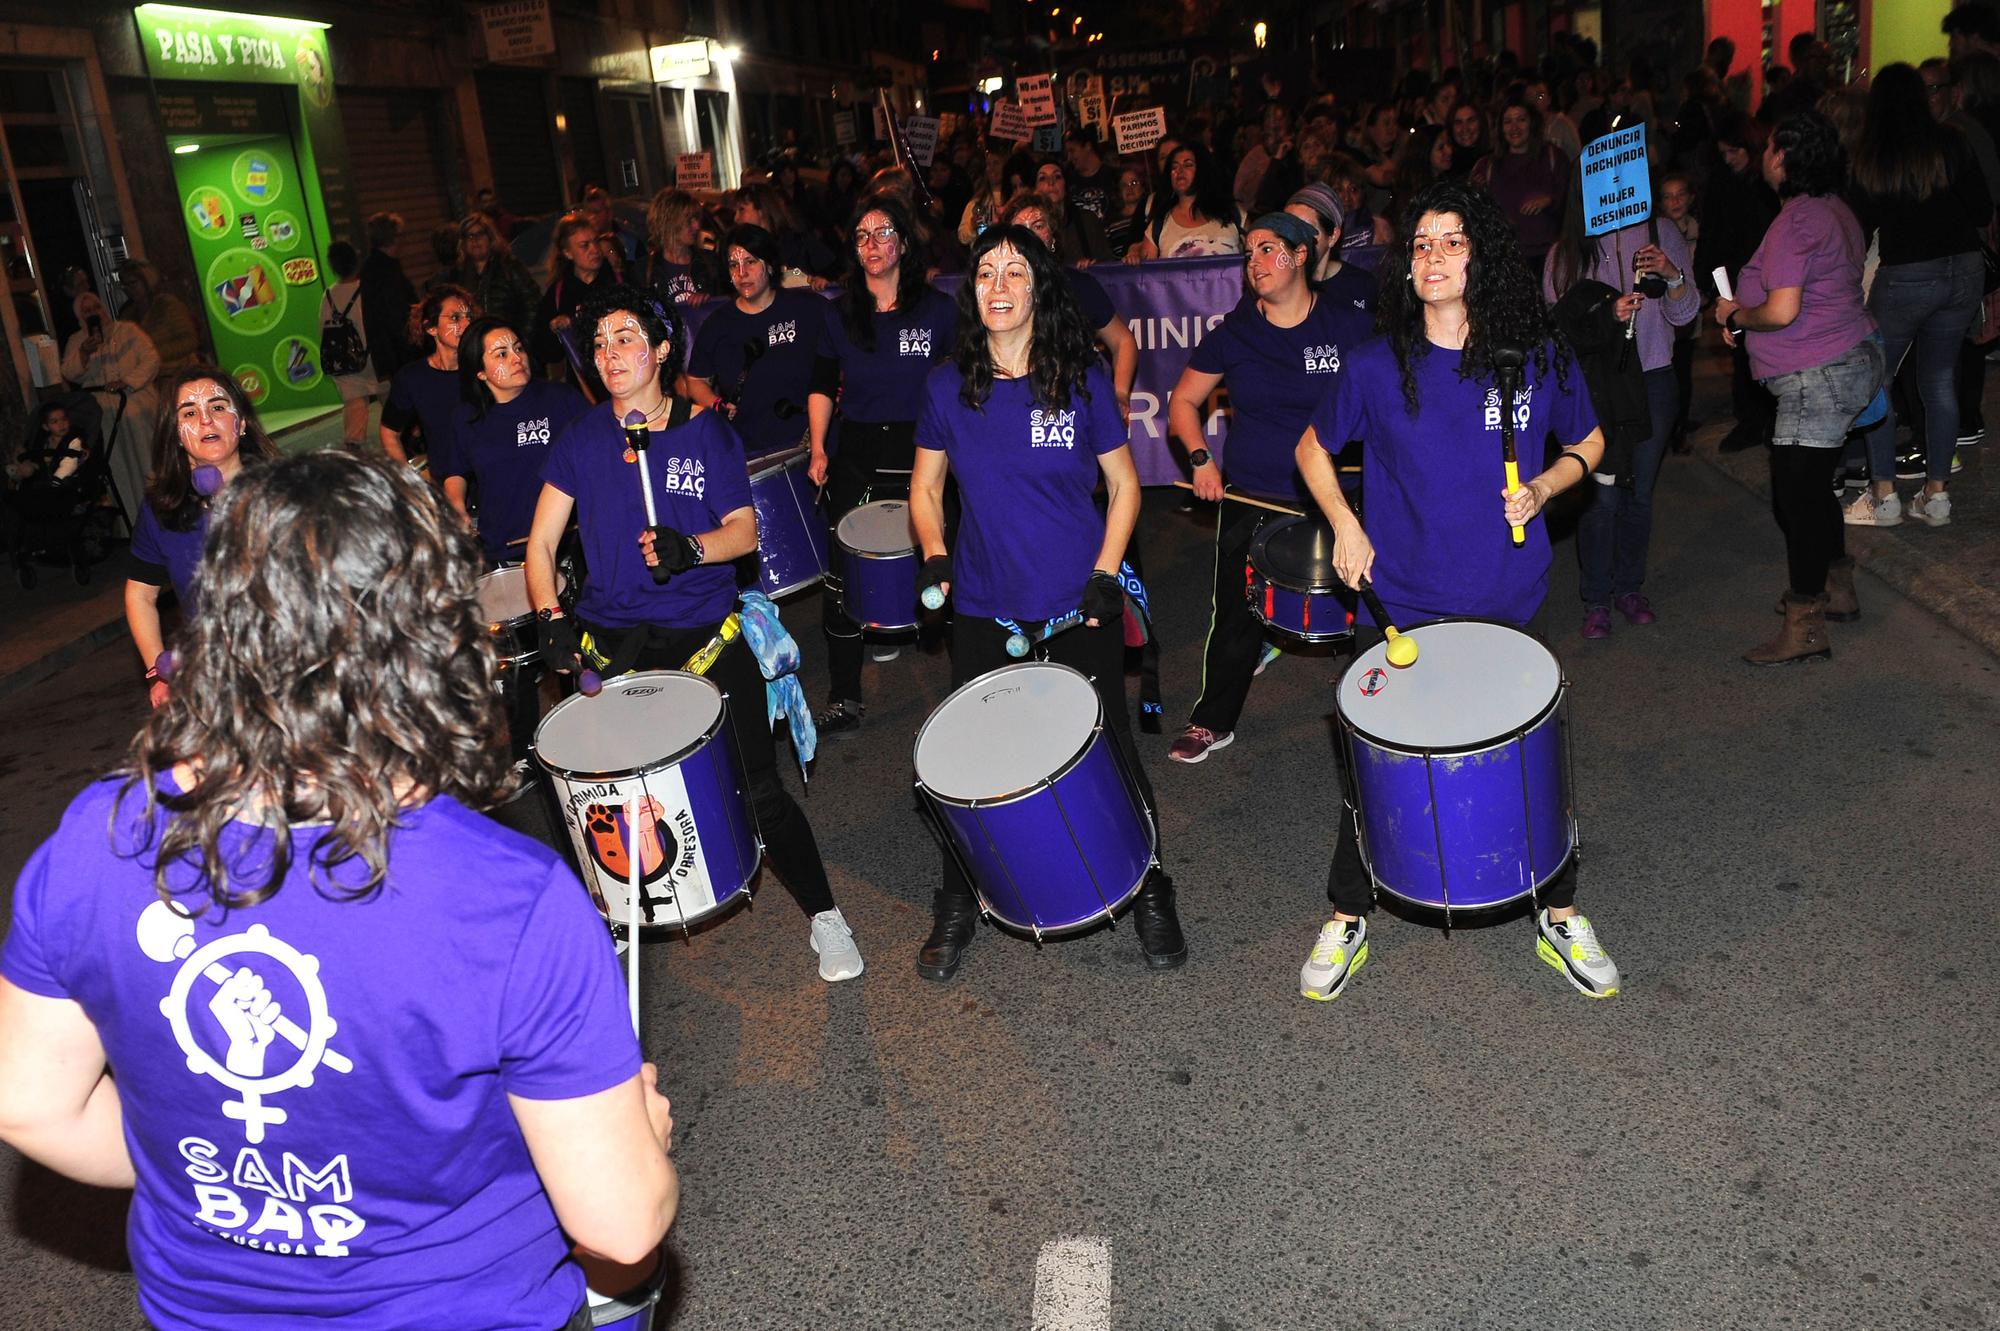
(791, 533)
(1030, 792)
(1459, 768)
(878, 566)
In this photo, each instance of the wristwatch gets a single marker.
(549, 612)
(1676, 283)
(1199, 457)
(1735, 328)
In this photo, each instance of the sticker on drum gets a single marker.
(1457, 764)
(657, 741)
(1027, 784)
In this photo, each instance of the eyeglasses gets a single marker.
(1452, 243)
(881, 235)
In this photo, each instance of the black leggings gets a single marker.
(1808, 513)
(1347, 884)
(788, 837)
(1235, 636)
(873, 463)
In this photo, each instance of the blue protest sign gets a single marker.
(1617, 183)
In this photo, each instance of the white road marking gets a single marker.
(1073, 1285)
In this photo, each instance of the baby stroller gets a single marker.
(52, 514)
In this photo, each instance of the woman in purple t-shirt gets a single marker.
(349, 1092)
(1027, 421)
(1813, 344)
(208, 423)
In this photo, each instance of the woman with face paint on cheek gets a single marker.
(1027, 421)
(701, 496)
(1283, 346)
(202, 441)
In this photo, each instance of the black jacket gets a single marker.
(386, 298)
(1611, 371)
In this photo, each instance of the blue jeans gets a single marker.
(1617, 526)
(1926, 308)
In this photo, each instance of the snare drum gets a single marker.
(661, 738)
(1460, 778)
(510, 618)
(791, 534)
(878, 565)
(1291, 585)
(1028, 786)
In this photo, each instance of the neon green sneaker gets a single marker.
(1572, 948)
(1340, 951)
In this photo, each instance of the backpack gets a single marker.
(341, 350)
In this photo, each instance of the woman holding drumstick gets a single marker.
(1425, 401)
(661, 577)
(1027, 420)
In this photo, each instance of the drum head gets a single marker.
(636, 723)
(1473, 683)
(1005, 731)
(1296, 553)
(503, 594)
(880, 528)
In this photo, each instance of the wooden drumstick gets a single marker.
(1246, 499)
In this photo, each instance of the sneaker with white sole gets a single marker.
(1271, 653)
(1933, 510)
(1971, 437)
(1572, 948)
(884, 651)
(1196, 742)
(1869, 511)
(1339, 952)
(839, 958)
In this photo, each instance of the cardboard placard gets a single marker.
(1090, 112)
(843, 128)
(881, 123)
(1617, 180)
(920, 136)
(1009, 123)
(1138, 131)
(694, 171)
(1038, 98)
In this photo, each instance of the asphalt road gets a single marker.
(1786, 1119)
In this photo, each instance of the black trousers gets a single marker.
(1347, 884)
(1235, 636)
(788, 838)
(980, 645)
(1808, 513)
(873, 463)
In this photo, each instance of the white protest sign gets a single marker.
(1617, 180)
(694, 171)
(843, 128)
(920, 136)
(1009, 123)
(1038, 98)
(1138, 131)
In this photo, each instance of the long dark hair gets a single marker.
(1901, 152)
(1062, 348)
(1211, 189)
(1503, 300)
(472, 390)
(857, 302)
(340, 668)
(171, 491)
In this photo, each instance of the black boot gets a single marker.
(953, 918)
(1157, 924)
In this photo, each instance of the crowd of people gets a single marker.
(1421, 292)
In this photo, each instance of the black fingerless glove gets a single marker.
(1103, 599)
(936, 569)
(676, 553)
(558, 642)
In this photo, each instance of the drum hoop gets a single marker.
(1258, 547)
(1456, 908)
(800, 585)
(658, 764)
(771, 463)
(1290, 632)
(1067, 766)
(1541, 714)
(907, 552)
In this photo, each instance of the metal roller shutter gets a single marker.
(514, 107)
(395, 143)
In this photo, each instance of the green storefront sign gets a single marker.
(262, 180)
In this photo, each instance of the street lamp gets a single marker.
(1260, 32)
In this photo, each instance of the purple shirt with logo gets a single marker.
(504, 450)
(887, 384)
(351, 1160)
(1031, 531)
(1275, 377)
(1433, 478)
(699, 478)
(1816, 245)
(763, 362)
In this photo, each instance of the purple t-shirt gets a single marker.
(1814, 244)
(699, 479)
(1434, 477)
(504, 450)
(763, 362)
(154, 546)
(887, 384)
(352, 1161)
(1275, 377)
(1031, 531)
(424, 395)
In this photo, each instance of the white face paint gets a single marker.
(1271, 264)
(205, 417)
(626, 360)
(1005, 285)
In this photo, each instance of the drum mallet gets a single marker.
(1402, 648)
(1507, 363)
(1020, 644)
(632, 910)
(639, 439)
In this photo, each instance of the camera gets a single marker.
(1652, 286)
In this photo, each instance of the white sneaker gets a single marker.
(1931, 509)
(1339, 951)
(885, 652)
(1869, 511)
(839, 959)
(1572, 948)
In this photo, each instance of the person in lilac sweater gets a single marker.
(1528, 177)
